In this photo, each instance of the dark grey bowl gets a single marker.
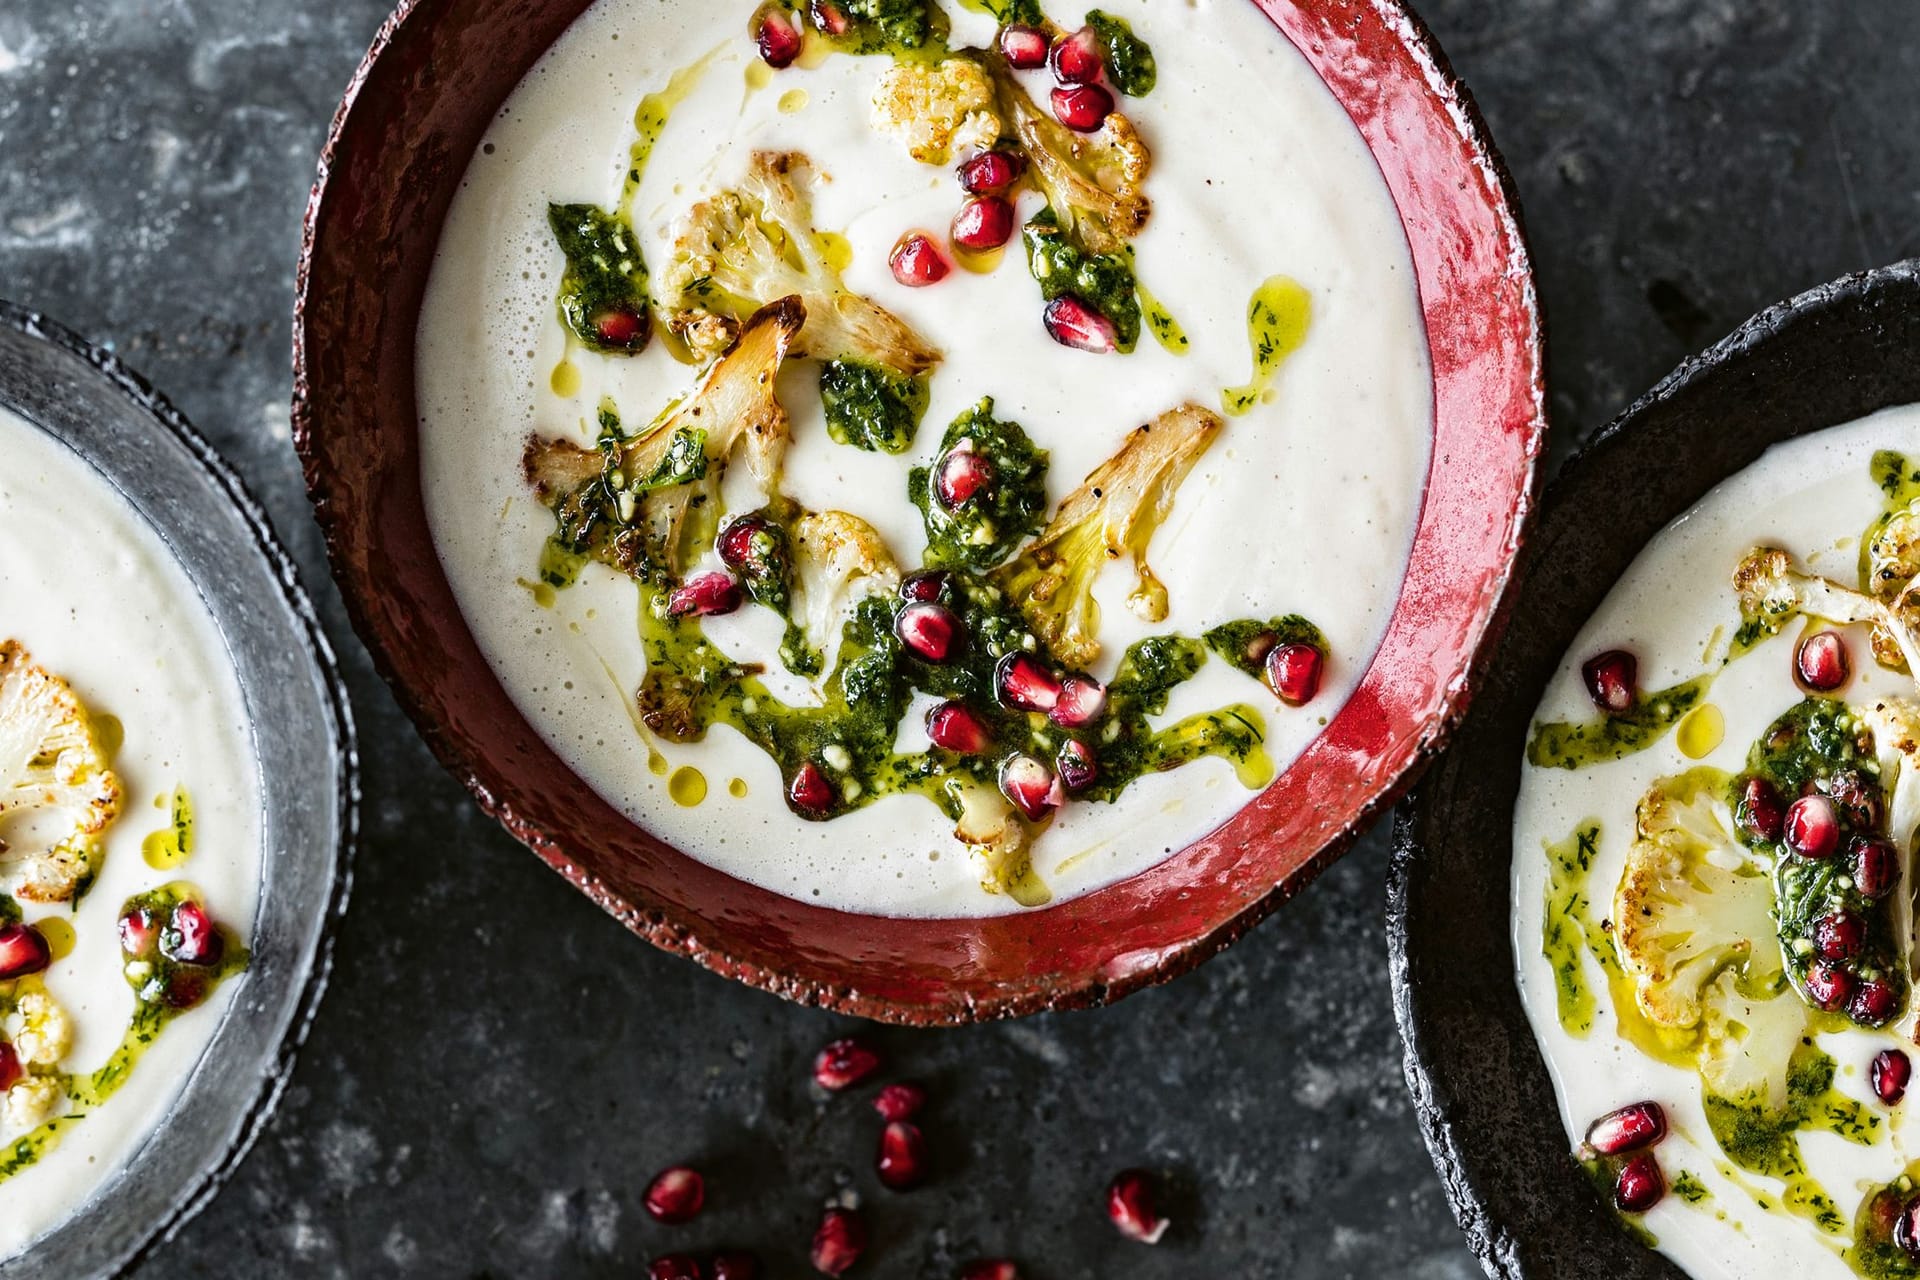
(1481, 1089)
(304, 747)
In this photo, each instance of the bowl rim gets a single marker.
(318, 651)
(1479, 155)
(1452, 1146)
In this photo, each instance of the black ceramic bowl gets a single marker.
(1485, 1101)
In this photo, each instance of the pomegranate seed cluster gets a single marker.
(174, 953)
(1619, 1148)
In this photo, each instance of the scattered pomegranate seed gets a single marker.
(186, 987)
(1640, 1185)
(1822, 661)
(1641, 1125)
(736, 1265)
(705, 595)
(811, 791)
(1293, 672)
(1082, 701)
(22, 951)
(778, 39)
(955, 727)
(1892, 1069)
(138, 933)
(746, 543)
(11, 1072)
(1611, 679)
(1260, 646)
(1813, 829)
(1761, 812)
(1031, 786)
(1875, 867)
(1856, 798)
(1083, 108)
(829, 17)
(983, 224)
(839, 1242)
(963, 475)
(1906, 1231)
(902, 1162)
(1076, 765)
(192, 938)
(925, 585)
(1026, 685)
(1130, 1206)
(1024, 48)
(931, 632)
(1828, 985)
(991, 172)
(991, 1269)
(676, 1194)
(900, 1101)
(1077, 58)
(620, 326)
(1072, 323)
(844, 1064)
(675, 1266)
(1873, 1003)
(917, 262)
(1839, 936)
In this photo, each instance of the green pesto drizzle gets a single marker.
(1568, 927)
(1574, 745)
(1278, 319)
(1897, 476)
(1766, 1142)
(1874, 1253)
(1160, 322)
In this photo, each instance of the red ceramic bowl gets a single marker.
(437, 73)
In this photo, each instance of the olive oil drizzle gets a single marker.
(1278, 320)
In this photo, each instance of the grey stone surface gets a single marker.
(499, 1069)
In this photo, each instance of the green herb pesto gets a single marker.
(1690, 1188)
(1104, 282)
(871, 407)
(172, 844)
(1568, 927)
(1278, 319)
(1874, 1254)
(1130, 64)
(1027, 13)
(604, 275)
(981, 533)
(1898, 476)
(1574, 745)
(896, 28)
(1761, 1140)
(1246, 643)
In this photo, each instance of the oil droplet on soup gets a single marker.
(687, 786)
(1701, 731)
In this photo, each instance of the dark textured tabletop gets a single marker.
(499, 1069)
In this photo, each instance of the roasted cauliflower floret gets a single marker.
(1114, 513)
(45, 1033)
(839, 560)
(57, 791)
(1094, 182)
(1001, 842)
(649, 504)
(937, 109)
(1893, 577)
(33, 1101)
(1772, 589)
(1691, 904)
(1748, 1041)
(747, 247)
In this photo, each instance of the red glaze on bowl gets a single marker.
(438, 71)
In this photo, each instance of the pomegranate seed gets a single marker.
(991, 172)
(1024, 684)
(737, 1265)
(186, 987)
(778, 39)
(1892, 1069)
(1641, 1125)
(747, 546)
(1077, 58)
(963, 475)
(1293, 672)
(1875, 867)
(930, 631)
(1828, 985)
(839, 1242)
(1906, 1231)
(1761, 813)
(1839, 936)
(1611, 679)
(138, 933)
(902, 1162)
(191, 938)
(900, 1101)
(983, 224)
(1260, 646)
(1813, 830)
(1031, 786)
(1024, 47)
(1640, 1185)
(1822, 661)
(705, 595)
(11, 1072)
(1082, 701)
(1082, 108)
(811, 791)
(925, 585)
(675, 1266)
(991, 1269)
(22, 951)
(1873, 1003)
(620, 326)
(1072, 323)
(1076, 765)
(676, 1194)
(843, 1064)
(917, 262)
(1130, 1206)
(953, 726)
(1857, 799)
(829, 17)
